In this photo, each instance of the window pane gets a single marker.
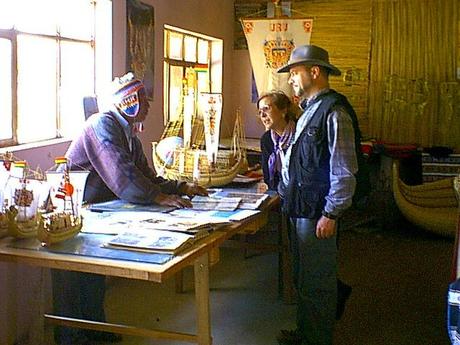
(216, 65)
(36, 88)
(190, 48)
(104, 45)
(75, 84)
(175, 46)
(27, 12)
(203, 48)
(6, 115)
(76, 18)
(6, 14)
(203, 82)
(175, 93)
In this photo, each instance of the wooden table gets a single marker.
(198, 256)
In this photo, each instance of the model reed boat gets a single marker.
(62, 221)
(433, 206)
(188, 158)
(22, 196)
(5, 166)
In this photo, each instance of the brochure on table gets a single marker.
(117, 222)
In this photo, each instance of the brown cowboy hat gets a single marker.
(310, 55)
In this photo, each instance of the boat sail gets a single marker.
(24, 191)
(63, 219)
(197, 155)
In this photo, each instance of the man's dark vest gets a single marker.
(309, 167)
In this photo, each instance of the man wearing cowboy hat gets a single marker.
(318, 183)
(109, 148)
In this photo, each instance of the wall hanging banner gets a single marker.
(140, 42)
(270, 43)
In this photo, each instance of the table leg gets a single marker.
(201, 273)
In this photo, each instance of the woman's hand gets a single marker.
(191, 189)
(172, 200)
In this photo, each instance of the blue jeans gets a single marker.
(315, 277)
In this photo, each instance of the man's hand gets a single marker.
(326, 227)
(191, 189)
(172, 200)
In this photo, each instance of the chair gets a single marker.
(90, 106)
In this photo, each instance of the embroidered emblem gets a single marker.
(248, 27)
(277, 52)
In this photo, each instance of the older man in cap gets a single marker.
(318, 183)
(109, 148)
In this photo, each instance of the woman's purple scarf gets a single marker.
(280, 144)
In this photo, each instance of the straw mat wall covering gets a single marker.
(414, 94)
(399, 60)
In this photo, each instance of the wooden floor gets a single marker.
(399, 277)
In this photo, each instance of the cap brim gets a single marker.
(286, 68)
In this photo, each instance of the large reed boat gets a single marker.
(433, 206)
(198, 156)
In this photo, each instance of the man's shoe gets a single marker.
(343, 294)
(107, 337)
(82, 341)
(289, 337)
(70, 336)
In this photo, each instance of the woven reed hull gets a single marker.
(457, 186)
(423, 210)
(23, 230)
(441, 194)
(48, 238)
(3, 225)
(223, 175)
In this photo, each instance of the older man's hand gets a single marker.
(191, 189)
(172, 200)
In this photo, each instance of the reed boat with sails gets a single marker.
(63, 219)
(197, 156)
(22, 199)
(5, 166)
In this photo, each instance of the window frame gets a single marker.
(8, 34)
(12, 35)
(213, 65)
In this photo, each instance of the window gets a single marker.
(52, 54)
(192, 64)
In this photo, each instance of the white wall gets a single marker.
(242, 94)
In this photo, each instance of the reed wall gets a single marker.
(400, 61)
